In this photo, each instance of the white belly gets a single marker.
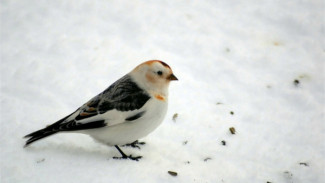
(129, 131)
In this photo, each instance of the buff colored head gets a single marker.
(154, 74)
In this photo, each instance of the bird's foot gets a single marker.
(135, 144)
(129, 157)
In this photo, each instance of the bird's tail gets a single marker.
(45, 132)
(40, 134)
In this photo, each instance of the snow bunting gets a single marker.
(129, 109)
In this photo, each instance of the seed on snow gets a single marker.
(232, 130)
(172, 173)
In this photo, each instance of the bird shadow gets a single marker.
(95, 151)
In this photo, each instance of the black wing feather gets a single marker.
(136, 116)
(123, 95)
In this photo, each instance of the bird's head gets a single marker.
(153, 75)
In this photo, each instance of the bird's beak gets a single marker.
(172, 77)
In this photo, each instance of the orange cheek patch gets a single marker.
(159, 97)
(150, 78)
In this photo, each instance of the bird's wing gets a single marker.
(123, 96)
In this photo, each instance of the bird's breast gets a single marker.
(135, 125)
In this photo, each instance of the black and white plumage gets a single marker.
(129, 109)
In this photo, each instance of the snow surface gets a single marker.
(240, 56)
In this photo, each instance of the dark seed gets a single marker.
(206, 159)
(175, 117)
(303, 163)
(232, 130)
(288, 173)
(223, 143)
(232, 112)
(172, 173)
(296, 82)
(41, 160)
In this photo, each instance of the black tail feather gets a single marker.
(45, 132)
(60, 126)
(36, 133)
(40, 134)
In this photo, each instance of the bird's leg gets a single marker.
(124, 156)
(135, 144)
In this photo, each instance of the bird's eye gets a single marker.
(159, 73)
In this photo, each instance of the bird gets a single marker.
(129, 109)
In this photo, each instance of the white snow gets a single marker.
(55, 55)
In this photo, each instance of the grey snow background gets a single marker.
(239, 56)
